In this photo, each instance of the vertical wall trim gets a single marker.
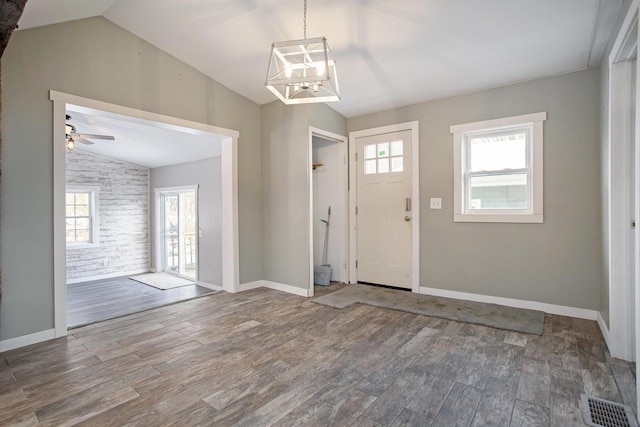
(59, 240)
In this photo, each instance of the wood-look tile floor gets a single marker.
(104, 299)
(264, 357)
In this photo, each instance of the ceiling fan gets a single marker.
(73, 136)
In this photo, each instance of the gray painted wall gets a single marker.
(123, 208)
(96, 59)
(206, 174)
(285, 188)
(558, 262)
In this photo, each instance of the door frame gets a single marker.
(415, 197)
(624, 290)
(229, 177)
(343, 143)
(621, 174)
(159, 255)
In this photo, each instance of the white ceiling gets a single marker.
(389, 53)
(142, 142)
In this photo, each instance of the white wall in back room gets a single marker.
(123, 214)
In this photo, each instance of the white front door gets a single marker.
(384, 211)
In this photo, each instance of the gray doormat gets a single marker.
(493, 315)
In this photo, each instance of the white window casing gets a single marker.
(94, 200)
(531, 172)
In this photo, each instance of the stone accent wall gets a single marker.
(124, 216)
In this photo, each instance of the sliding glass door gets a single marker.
(178, 231)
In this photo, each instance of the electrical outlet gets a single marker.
(436, 203)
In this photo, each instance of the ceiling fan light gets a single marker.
(71, 144)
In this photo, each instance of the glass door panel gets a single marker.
(180, 232)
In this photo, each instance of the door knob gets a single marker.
(407, 218)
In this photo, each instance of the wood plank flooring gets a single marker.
(263, 357)
(91, 302)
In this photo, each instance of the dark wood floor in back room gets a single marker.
(264, 357)
(91, 302)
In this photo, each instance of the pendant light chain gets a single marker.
(305, 19)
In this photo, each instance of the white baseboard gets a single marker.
(605, 330)
(108, 276)
(275, 286)
(250, 285)
(209, 286)
(286, 288)
(581, 313)
(25, 340)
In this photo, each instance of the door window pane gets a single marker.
(383, 165)
(370, 151)
(396, 148)
(383, 149)
(369, 167)
(396, 164)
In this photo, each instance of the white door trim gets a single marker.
(622, 287)
(415, 198)
(343, 141)
(230, 254)
(620, 177)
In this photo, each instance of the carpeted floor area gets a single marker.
(493, 315)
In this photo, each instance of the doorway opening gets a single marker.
(226, 219)
(328, 181)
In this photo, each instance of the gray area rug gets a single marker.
(493, 315)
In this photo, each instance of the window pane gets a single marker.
(82, 223)
(369, 167)
(82, 236)
(82, 210)
(370, 151)
(82, 198)
(70, 211)
(70, 224)
(492, 153)
(396, 148)
(396, 164)
(70, 198)
(70, 236)
(383, 149)
(383, 165)
(505, 191)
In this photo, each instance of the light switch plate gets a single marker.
(436, 203)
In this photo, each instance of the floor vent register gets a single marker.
(603, 413)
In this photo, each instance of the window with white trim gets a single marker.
(81, 216)
(498, 170)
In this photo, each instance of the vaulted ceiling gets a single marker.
(389, 53)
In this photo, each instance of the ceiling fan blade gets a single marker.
(92, 136)
(83, 141)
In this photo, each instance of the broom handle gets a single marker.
(326, 238)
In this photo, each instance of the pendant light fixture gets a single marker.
(303, 71)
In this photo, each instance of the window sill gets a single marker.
(509, 218)
(73, 246)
